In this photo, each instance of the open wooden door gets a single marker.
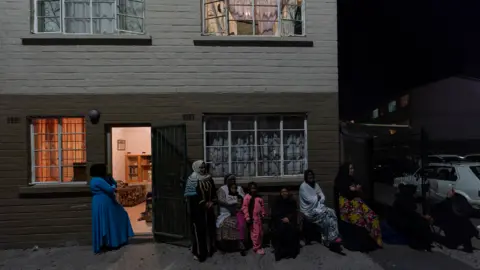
(169, 171)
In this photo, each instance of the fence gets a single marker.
(383, 156)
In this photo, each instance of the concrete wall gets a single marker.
(172, 63)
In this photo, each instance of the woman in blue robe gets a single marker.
(111, 226)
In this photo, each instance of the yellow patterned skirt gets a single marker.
(356, 212)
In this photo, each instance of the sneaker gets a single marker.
(260, 252)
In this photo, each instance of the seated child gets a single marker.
(233, 191)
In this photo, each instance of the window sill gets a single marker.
(94, 40)
(55, 191)
(265, 181)
(231, 41)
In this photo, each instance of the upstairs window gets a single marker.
(253, 17)
(251, 146)
(88, 16)
(375, 114)
(57, 145)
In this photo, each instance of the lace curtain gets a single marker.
(90, 17)
(253, 17)
(46, 148)
(256, 154)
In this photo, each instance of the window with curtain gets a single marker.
(253, 17)
(251, 146)
(57, 145)
(88, 16)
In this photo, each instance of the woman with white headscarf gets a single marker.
(201, 195)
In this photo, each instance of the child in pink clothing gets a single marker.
(241, 223)
(254, 210)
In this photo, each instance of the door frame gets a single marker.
(108, 138)
(108, 149)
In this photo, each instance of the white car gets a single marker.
(445, 158)
(463, 177)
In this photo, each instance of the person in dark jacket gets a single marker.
(455, 223)
(284, 217)
(406, 220)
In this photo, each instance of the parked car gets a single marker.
(463, 177)
(445, 158)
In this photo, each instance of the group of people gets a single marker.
(417, 227)
(239, 223)
(240, 216)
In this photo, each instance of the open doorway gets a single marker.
(131, 167)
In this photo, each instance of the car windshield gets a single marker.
(476, 170)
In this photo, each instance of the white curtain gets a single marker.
(90, 16)
(97, 17)
(289, 14)
(265, 13)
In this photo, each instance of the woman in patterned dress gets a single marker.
(312, 206)
(228, 237)
(354, 213)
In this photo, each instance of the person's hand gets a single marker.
(353, 188)
(285, 220)
(358, 187)
(249, 221)
(209, 204)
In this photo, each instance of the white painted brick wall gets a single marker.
(173, 63)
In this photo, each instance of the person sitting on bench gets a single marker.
(284, 218)
(406, 220)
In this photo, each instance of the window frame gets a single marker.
(34, 21)
(278, 21)
(255, 130)
(32, 150)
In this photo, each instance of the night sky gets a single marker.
(387, 47)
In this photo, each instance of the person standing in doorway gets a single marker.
(111, 226)
(201, 195)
